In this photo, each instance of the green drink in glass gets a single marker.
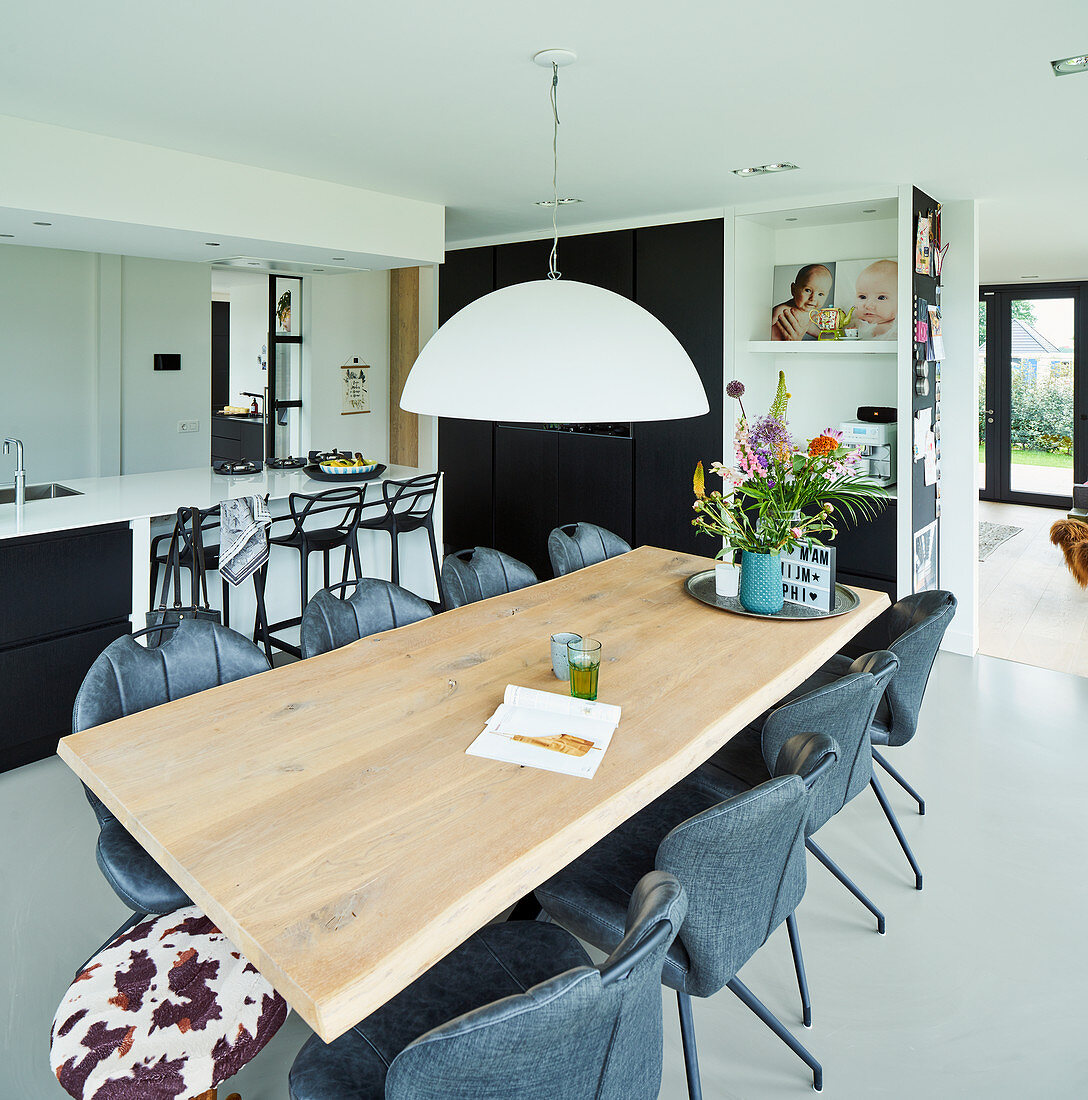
(584, 659)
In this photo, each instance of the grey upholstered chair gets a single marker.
(912, 629)
(126, 678)
(480, 573)
(842, 708)
(376, 605)
(741, 862)
(580, 544)
(552, 1025)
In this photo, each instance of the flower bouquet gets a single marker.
(779, 496)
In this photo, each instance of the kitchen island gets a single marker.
(74, 575)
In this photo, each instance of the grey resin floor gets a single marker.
(978, 989)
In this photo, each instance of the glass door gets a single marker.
(1033, 416)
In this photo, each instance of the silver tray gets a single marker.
(701, 586)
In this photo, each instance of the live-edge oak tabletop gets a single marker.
(325, 814)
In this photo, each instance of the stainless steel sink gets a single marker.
(40, 492)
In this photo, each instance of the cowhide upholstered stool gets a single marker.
(166, 1011)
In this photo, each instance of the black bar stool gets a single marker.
(160, 549)
(407, 506)
(341, 508)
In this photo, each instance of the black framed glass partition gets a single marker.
(284, 426)
(1033, 392)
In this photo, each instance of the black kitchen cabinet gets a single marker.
(465, 446)
(235, 438)
(66, 596)
(508, 486)
(866, 549)
(595, 482)
(681, 282)
(603, 259)
(526, 493)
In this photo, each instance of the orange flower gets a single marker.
(822, 446)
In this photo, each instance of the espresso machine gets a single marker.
(875, 444)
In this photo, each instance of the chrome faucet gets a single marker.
(20, 469)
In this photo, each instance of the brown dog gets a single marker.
(1072, 536)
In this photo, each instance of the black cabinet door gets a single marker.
(595, 482)
(603, 259)
(38, 685)
(867, 548)
(220, 354)
(465, 446)
(681, 282)
(58, 583)
(526, 494)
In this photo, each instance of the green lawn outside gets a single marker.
(1034, 458)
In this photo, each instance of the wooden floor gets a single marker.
(1030, 608)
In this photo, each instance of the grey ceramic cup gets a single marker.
(559, 654)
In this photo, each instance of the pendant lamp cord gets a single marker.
(553, 269)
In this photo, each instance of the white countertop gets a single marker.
(139, 496)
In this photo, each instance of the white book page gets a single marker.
(561, 704)
(574, 741)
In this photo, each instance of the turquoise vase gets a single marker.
(761, 582)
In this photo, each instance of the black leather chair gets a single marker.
(480, 573)
(330, 622)
(518, 1010)
(577, 545)
(405, 506)
(126, 678)
(338, 512)
(741, 861)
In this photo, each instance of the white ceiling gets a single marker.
(440, 102)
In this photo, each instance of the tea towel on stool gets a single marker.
(243, 537)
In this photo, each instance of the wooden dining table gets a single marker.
(326, 816)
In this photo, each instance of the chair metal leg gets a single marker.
(226, 603)
(882, 798)
(776, 1025)
(799, 966)
(261, 635)
(845, 879)
(325, 558)
(132, 921)
(437, 565)
(394, 556)
(901, 781)
(691, 1055)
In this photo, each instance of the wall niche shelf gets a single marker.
(822, 347)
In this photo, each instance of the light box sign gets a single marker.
(808, 577)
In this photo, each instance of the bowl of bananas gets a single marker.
(347, 466)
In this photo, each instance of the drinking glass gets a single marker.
(584, 658)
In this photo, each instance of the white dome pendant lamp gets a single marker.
(554, 351)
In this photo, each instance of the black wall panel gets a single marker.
(526, 493)
(681, 282)
(465, 446)
(603, 259)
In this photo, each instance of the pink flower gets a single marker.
(796, 532)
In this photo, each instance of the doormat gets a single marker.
(993, 535)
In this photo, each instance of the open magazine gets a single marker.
(540, 729)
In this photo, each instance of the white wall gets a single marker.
(345, 316)
(48, 361)
(165, 307)
(248, 334)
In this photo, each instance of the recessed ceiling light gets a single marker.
(871, 210)
(7, 234)
(552, 202)
(212, 244)
(43, 223)
(791, 219)
(1069, 65)
(253, 263)
(781, 166)
(319, 269)
(748, 171)
(339, 257)
(1029, 276)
